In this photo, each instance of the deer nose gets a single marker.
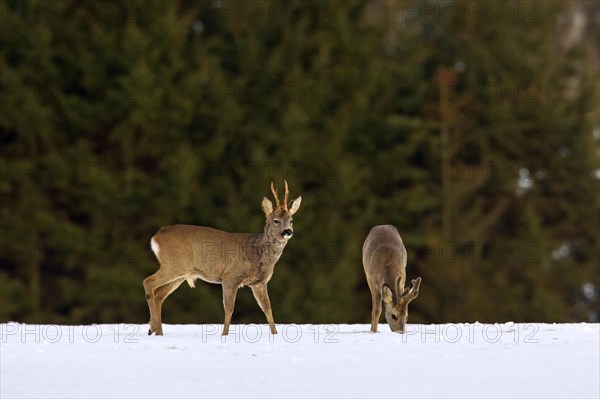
(287, 233)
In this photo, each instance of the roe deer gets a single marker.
(384, 260)
(234, 260)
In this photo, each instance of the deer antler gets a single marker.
(287, 191)
(411, 293)
(275, 195)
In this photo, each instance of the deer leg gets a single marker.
(149, 284)
(376, 311)
(229, 293)
(262, 297)
(160, 294)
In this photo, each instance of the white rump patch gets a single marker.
(154, 246)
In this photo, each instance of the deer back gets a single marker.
(384, 256)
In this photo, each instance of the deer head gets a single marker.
(396, 305)
(279, 223)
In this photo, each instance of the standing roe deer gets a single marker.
(384, 260)
(189, 252)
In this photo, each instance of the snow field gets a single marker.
(336, 360)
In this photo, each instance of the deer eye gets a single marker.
(394, 317)
(276, 221)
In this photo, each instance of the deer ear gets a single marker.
(388, 295)
(295, 205)
(267, 206)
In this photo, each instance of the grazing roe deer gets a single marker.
(234, 260)
(384, 260)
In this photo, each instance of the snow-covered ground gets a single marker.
(441, 360)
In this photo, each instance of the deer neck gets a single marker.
(269, 249)
(392, 271)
